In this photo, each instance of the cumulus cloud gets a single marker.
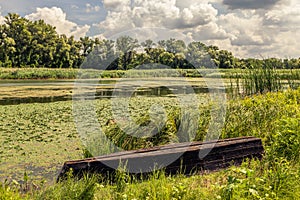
(244, 30)
(250, 4)
(56, 17)
(286, 45)
(186, 3)
(286, 16)
(116, 5)
(196, 14)
(266, 33)
(210, 31)
(90, 8)
(155, 13)
(283, 25)
(116, 22)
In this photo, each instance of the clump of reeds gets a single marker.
(259, 79)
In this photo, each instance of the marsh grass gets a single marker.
(37, 73)
(144, 131)
(48, 73)
(262, 79)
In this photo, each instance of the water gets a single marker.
(18, 92)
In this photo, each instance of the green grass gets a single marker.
(37, 73)
(253, 180)
(38, 138)
(48, 73)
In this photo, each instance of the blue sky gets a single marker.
(75, 10)
(247, 28)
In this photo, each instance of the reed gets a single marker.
(262, 79)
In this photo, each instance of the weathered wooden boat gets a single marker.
(186, 158)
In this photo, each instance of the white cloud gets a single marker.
(56, 17)
(90, 8)
(286, 45)
(210, 31)
(282, 25)
(284, 16)
(186, 3)
(167, 14)
(158, 8)
(2, 19)
(155, 13)
(244, 28)
(74, 7)
(154, 34)
(195, 15)
(116, 5)
(116, 22)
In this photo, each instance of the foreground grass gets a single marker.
(278, 179)
(274, 117)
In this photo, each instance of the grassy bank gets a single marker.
(44, 135)
(37, 73)
(46, 73)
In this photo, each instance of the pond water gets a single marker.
(45, 91)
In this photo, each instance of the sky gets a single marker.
(248, 28)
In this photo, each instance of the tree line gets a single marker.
(25, 43)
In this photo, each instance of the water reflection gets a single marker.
(159, 91)
(151, 91)
(18, 92)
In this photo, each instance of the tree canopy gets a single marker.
(25, 43)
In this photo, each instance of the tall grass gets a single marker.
(262, 79)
